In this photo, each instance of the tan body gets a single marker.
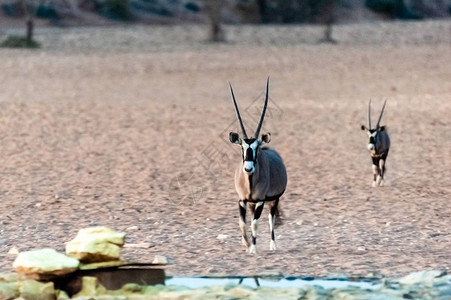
(268, 180)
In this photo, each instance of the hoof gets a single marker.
(253, 249)
(272, 246)
(378, 181)
(374, 184)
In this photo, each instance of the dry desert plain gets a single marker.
(127, 127)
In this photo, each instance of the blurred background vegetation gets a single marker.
(232, 11)
(213, 12)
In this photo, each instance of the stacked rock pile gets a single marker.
(37, 270)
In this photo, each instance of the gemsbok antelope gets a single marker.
(260, 177)
(378, 146)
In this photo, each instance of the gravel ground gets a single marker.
(125, 127)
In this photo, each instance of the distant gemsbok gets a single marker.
(378, 146)
(261, 177)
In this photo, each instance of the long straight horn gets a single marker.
(238, 112)
(380, 117)
(257, 132)
(369, 115)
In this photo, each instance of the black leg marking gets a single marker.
(242, 208)
(274, 207)
(257, 213)
(384, 157)
(375, 160)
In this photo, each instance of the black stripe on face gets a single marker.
(249, 154)
(249, 141)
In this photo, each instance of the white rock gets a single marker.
(160, 259)
(425, 277)
(13, 251)
(222, 237)
(139, 245)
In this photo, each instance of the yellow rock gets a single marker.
(9, 290)
(90, 287)
(44, 264)
(62, 295)
(96, 244)
(34, 290)
(103, 265)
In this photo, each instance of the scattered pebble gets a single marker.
(139, 245)
(160, 259)
(222, 237)
(13, 251)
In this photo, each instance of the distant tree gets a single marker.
(327, 17)
(214, 12)
(28, 8)
(300, 11)
(262, 8)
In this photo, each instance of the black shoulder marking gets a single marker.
(271, 198)
(268, 198)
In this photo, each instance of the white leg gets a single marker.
(254, 227)
(272, 221)
(375, 174)
(244, 239)
(382, 170)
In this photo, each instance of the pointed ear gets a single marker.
(234, 138)
(382, 128)
(266, 138)
(363, 127)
